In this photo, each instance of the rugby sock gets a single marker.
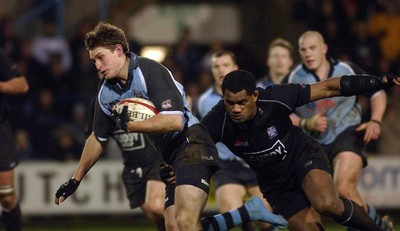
(12, 218)
(377, 218)
(355, 217)
(252, 210)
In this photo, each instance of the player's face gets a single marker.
(108, 63)
(240, 106)
(279, 60)
(312, 51)
(221, 66)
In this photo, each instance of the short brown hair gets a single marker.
(106, 35)
(281, 43)
(220, 53)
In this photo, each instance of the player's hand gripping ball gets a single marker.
(133, 109)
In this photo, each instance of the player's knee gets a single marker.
(327, 207)
(186, 221)
(154, 210)
(7, 196)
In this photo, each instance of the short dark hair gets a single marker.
(239, 80)
(106, 35)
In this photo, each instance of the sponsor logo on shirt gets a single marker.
(130, 141)
(166, 104)
(277, 150)
(205, 182)
(207, 158)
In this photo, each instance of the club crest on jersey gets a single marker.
(166, 104)
(272, 132)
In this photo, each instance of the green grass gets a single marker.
(117, 223)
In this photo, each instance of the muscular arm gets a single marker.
(325, 89)
(160, 123)
(378, 106)
(17, 85)
(351, 85)
(372, 128)
(90, 154)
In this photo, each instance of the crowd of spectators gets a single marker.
(50, 120)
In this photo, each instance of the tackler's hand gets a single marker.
(66, 190)
(121, 119)
(167, 174)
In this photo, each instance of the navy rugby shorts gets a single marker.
(288, 198)
(234, 172)
(135, 180)
(8, 152)
(348, 140)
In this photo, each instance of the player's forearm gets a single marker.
(160, 123)
(378, 106)
(325, 89)
(90, 155)
(14, 86)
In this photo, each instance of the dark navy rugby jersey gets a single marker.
(147, 79)
(269, 142)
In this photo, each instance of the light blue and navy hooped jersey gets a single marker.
(342, 112)
(147, 79)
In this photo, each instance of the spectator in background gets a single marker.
(48, 44)
(11, 82)
(363, 50)
(186, 55)
(23, 144)
(384, 26)
(234, 180)
(279, 61)
(336, 122)
(9, 40)
(43, 120)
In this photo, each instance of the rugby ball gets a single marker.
(138, 109)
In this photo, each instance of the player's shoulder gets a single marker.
(348, 67)
(148, 63)
(205, 95)
(298, 72)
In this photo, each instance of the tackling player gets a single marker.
(292, 168)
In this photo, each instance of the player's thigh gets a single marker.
(7, 177)
(230, 196)
(318, 188)
(347, 167)
(155, 191)
(189, 201)
(305, 220)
